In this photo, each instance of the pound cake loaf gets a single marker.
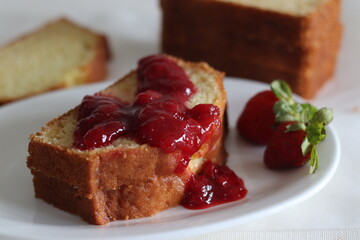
(296, 40)
(127, 151)
(59, 55)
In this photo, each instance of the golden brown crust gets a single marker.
(105, 185)
(253, 43)
(93, 71)
(133, 200)
(213, 19)
(112, 168)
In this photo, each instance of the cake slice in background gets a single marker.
(60, 54)
(293, 40)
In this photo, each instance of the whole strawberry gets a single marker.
(265, 109)
(284, 148)
(293, 144)
(256, 121)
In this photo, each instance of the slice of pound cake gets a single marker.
(128, 151)
(293, 40)
(61, 54)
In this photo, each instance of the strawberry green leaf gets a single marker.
(282, 90)
(298, 108)
(324, 115)
(286, 109)
(307, 112)
(314, 160)
(305, 146)
(296, 127)
(315, 132)
(284, 112)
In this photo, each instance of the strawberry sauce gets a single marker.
(158, 116)
(214, 185)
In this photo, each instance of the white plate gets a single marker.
(23, 216)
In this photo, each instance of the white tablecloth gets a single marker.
(133, 28)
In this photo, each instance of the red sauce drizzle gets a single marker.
(158, 116)
(214, 185)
